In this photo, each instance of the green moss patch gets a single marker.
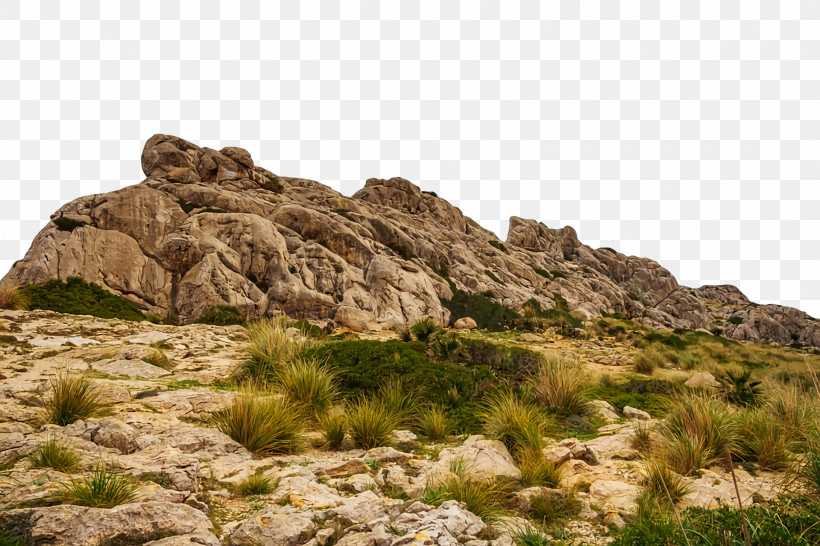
(221, 315)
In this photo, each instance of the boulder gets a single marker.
(703, 380)
(269, 527)
(482, 458)
(634, 413)
(465, 323)
(83, 526)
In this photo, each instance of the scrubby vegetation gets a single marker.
(221, 315)
(487, 313)
(485, 498)
(255, 484)
(78, 297)
(371, 422)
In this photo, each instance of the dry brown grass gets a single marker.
(11, 297)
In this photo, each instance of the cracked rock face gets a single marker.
(210, 227)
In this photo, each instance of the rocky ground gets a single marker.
(158, 430)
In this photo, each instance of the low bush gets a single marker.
(106, 487)
(71, 397)
(661, 484)
(445, 346)
(64, 223)
(221, 315)
(651, 395)
(53, 454)
(262, 422)
(11, 297)
(371, 422)
(549, 510)
(75, 296)
(487, 313)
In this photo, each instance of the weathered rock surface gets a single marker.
(210, 227)
(128, 523)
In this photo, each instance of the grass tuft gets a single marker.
(255, 484)
(371, 422)
(486, 499)
(558, 384)
(72, 397)
(269, 346)
(262, 422)
(434, 423)
(54, 454)
(511, 420)
(530, 536)
(11, 297)
(537, 470)
(662, 484)
(106, 487)
(308, 383)
(333, 427)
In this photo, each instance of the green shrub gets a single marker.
(651, 395)
(445, 346)
(559, 385)
(262, 422)
(487, 313)
(104, 488)
(75, 296)
(64, 223)
(273, 184)
(7, 539)
(255, 484)
(499, 246)
(221, 315)
(537, 470)
(371, 423)
(72, 397)
(740, 389)
(542, 272)
(735, 320)
(53, 454)
(424, 329)
(536, 318)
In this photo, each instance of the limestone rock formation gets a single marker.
(210, 227)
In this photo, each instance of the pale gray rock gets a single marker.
(634, 413)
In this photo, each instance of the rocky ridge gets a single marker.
(210, 227)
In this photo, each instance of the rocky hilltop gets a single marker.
(210, 227)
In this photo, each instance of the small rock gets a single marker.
(346, 469)
(269, 527)
(405, 440)
(634, 413)
(465, 323)
(148, 338)
(703, 380)
(614, 518)
(387, 455)
(604, 410)
(531, 338)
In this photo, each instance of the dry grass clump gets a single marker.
(11, 297)
(663, 485)
(54, 454)
(255, 484)
(333, 427)
(762, 440)
(308, 383)
(159, 359)
(515, 422)
(559, 385)
(648, 360)
(537, 470)
(371, 422)
(106, 487)
(72, 397)
(269, 346)
(434, 423)
(265, 423)
(484, 498)
(641, 439)
(698, 433)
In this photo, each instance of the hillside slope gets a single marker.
(209, 227)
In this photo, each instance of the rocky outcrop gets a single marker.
(210, 227)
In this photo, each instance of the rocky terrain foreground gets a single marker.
(210, 227)
(159, 430)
